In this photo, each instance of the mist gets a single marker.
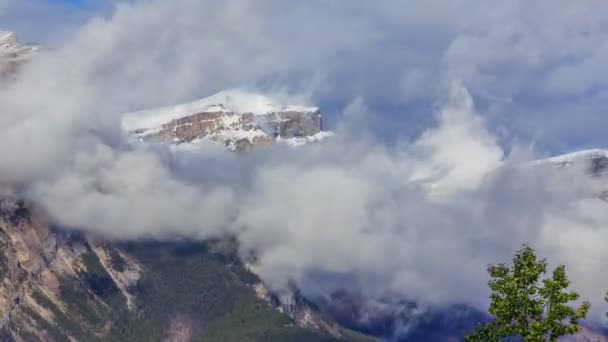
(420, 218)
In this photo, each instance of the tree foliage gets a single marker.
(528, 306)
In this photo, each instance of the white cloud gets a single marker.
(461, 150)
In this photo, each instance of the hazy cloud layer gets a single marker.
(420, 218)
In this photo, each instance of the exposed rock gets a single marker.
(180, 330)
(591, 165)
(236, 131)
(239, 121)
(595, 161)
(303, 312)
(34, 265)
(124, 277)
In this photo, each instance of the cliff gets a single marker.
(237, 119)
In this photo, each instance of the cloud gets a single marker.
(455, 148)
(370, 219)
(420, 218)
(102, 193)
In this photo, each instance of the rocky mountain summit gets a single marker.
(13, 53)
(235, 118)
(594, 161)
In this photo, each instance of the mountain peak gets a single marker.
(243, 101)
(13, 53)
(8, 37)
(236, 101)
(237, 118)
(10, 45)
(592, 162)
(571, 157)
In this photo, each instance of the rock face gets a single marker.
(595, 161)
(236, 119)
(51, 281)
(62, 286)
(230, 127)
(13, 54)
(303, 312)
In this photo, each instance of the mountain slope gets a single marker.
(60, 286)
(235, 118)
(592, 164)
(231, 310)
(595, 160)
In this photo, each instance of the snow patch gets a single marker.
(228, 101)
(10, 47)
(299, 141)
(8, 38)
(575, 156)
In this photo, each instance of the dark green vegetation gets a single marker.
(118, 263)
(527, 307)
(91, 300)
(188, 285)
(3, 259)
(194, 291)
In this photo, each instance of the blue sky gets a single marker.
(78, 2)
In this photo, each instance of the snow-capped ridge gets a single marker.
(236, 118)
(300, 141)
(576, 156)
(592, 161)
(10, 46)
(8, 38)
(13, 55)
(228, 101)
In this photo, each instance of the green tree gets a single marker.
(527, 307)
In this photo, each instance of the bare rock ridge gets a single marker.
(13, 54)
(595, 161)
(592, 163)
(234, 118)
(305, 315)
(232, 128)
(39, 267)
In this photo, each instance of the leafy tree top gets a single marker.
(526, 305)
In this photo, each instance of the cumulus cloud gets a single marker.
(455, 148)
(420, 218)
(131, 195)
(371, 221)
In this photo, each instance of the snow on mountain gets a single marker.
(227, 101)
(12, 53)
(571, 167)
(593, 161)
(236, 118)
(9, 45)
(573, 157)
(299, 141)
